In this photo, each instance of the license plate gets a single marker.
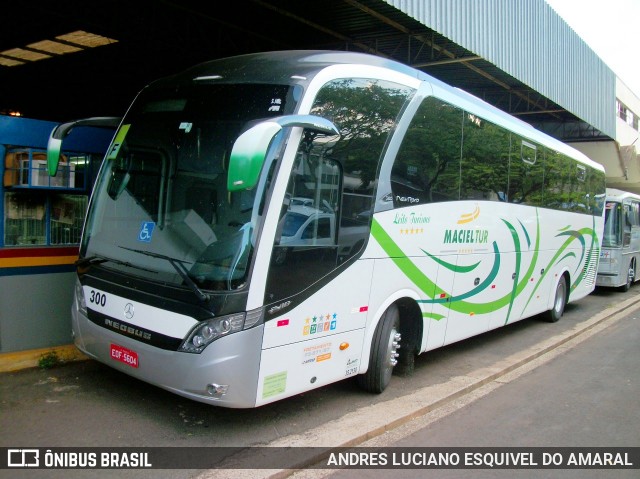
(124, 355)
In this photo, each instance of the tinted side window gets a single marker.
(596, 189)
(485, 160)
(427, 167)
(526, 173)
(627, 224)
(331, 185)
(558, 184)
(567, 185)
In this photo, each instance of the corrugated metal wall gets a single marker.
(531, 42)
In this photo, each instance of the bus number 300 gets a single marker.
(98, 298)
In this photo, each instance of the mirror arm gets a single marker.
(60, 132)
(250, 148)
(310, 122)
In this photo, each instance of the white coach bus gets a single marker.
(267, 224)
(621, 240)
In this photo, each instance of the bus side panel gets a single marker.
(341, 305)
(495, 274)
(528, 290)
(295, 368)
(527, 244)
(536, 234)
(570, 245)
(478, 265)
(391, 282)
(472, 317)
(318, 342)
(635, 249)
(615, 262)
(404, 268)
(613, 267)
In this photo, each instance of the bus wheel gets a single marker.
(559, 301)
(631, 275)
(384, 347)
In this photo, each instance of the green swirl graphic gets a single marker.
(460, 303)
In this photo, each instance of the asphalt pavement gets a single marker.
(586, 396)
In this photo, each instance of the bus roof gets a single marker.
(614, 194)
(301, 66)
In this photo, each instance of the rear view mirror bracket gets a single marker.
(250, 149)
(60, 132)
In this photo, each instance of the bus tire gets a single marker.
(559, 301)
(631, 276)
(384, 353)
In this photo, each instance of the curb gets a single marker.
(18, 360)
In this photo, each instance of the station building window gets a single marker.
(40, 210)
(40, 219)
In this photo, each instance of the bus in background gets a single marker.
(621, 240)
(41, 228)
(433, 217)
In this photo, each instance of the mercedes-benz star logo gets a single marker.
(128, 310)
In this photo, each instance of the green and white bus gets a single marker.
(268, 224)
(620, 253)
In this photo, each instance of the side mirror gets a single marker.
(250, 149)
(60, 132)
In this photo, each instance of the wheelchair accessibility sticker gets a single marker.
(146, 231)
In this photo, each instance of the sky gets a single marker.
(610, 28)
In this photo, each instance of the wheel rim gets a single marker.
(392, 353)
(560, 293)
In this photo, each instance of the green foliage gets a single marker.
(365, 111)
(49, 360)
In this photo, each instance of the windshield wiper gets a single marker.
(89, 260)
(95, 259)
(180, 269)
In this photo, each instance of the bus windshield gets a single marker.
(612, 231)
(161, 209)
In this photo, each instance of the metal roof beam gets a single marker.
(318, 27)
(446, 62)
(442, 50)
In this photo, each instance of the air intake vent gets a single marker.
(591, 266)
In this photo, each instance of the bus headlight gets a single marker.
(80, 302)
(208, 331)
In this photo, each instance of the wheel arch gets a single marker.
(562, 273)
(633, 263)
(557, 306)
(411, 324)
